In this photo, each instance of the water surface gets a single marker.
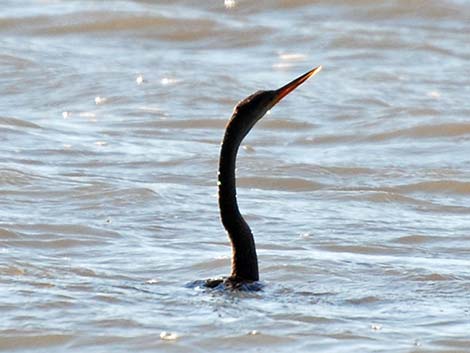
(356, 186)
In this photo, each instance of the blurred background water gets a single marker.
(356, 186)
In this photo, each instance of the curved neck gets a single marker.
(244, 259)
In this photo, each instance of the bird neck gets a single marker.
(244, 259)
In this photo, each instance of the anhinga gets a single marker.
(244, 117)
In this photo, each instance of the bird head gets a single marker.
(254, 107)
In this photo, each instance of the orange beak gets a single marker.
(285, 90)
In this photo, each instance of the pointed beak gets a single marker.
(285, 90)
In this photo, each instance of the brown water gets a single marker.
(356, 186)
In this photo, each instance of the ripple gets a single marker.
(284, 184)
(15, 340)
(114, 23)
(417, 239)
(425, 131)
(18, 123)
(440, 131)
(437, 186)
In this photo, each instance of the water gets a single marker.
(356, 186)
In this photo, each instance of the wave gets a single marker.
(437, 186)
(17, 123)
(284, 184)
(449, 130)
